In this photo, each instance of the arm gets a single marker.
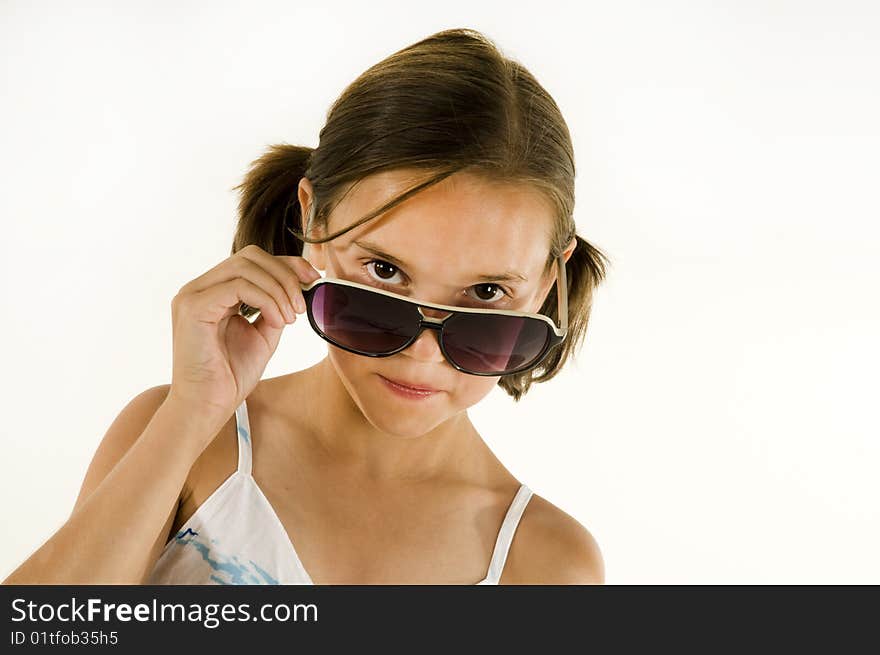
(128, 501)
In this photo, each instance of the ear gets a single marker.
(312, 252)
(552, 275)
(566, 254)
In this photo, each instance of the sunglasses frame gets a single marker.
(557, 333)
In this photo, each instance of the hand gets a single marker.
(219, 356)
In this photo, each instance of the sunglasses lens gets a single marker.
(486, 344)
(362, 320)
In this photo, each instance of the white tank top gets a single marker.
(235, 536)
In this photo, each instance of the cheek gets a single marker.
(471, 389)
(348, 362)
(353, 370)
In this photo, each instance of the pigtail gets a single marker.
(269, 202)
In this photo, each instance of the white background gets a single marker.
(719, 425)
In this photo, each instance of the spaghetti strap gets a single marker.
(505, 534)
(243, 430)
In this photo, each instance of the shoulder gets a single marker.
(131, 420)
(550, 547)
(121, 435)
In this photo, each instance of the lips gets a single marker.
(411, 385)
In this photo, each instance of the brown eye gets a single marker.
(382, 270)
(488, 292)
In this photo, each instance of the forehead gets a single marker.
(462, 226)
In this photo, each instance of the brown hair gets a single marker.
(448, 103)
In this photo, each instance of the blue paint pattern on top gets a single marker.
(228, 570)
(268, 578)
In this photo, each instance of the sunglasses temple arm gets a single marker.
(562, 293)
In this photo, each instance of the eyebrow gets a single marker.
(378, 252)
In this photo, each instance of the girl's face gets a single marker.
(463, 241)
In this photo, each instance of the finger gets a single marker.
(269, 332)
(240, 266)
(290, 271)
(307, 274)
(219, 273)
(271, 275)
(221, 300)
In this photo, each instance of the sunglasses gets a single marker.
(377, 323)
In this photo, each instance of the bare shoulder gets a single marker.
(552, 547)
(123, 432)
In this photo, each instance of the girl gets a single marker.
(438, 204)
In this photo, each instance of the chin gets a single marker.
(401, 418)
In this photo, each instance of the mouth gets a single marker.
(407, 388)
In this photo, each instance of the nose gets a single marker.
(433, 313)
(426, 347)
